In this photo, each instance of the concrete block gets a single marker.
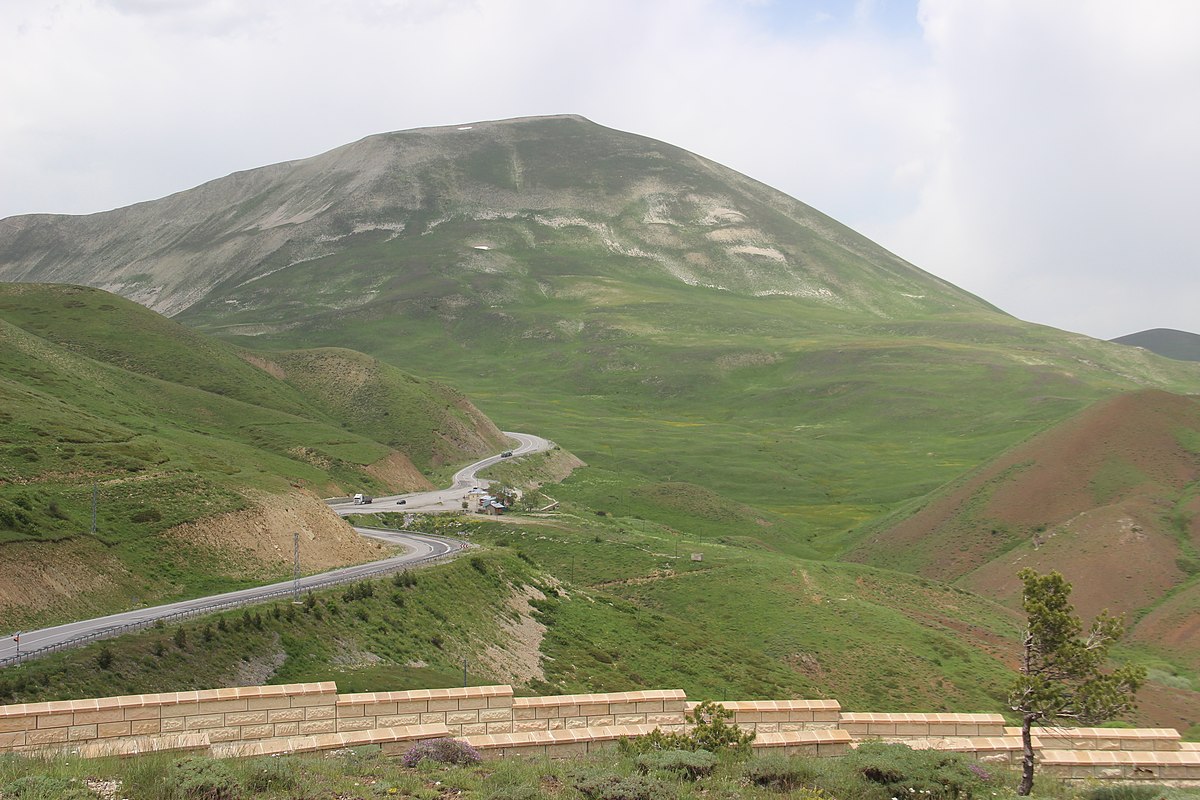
(397, 721)
(221, 707)
(285, 715)
(287, 729)
(409, 706)
(204, 721)
(345, 712)
(14, 724)
(55, 720)
(246, 718)
(522, 713)
(144, 713)
(384, 709)
(433, 719)
(469, 703)
(478, 729)
(144, 727)
(355, 724)
(556, 724)
(320, 712)
(499, 727)
(318, 726)
(298, 701)
(107, 729)
(13, 739)
(602, 722)
(502, 701)
(172, 725)
(46, 736)
(495, 715)
(631, 719)
(450, 704)
(266, 703)
(576, 722)
(529, 726)
(77, 733)
(225, 734)
(93, 717)
(622, 708)
(258, 731)
(461, 717)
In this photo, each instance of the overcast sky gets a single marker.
(1042, 154)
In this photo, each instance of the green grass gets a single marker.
(170, 427)
(876, 772)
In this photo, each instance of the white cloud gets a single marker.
(1063, 188)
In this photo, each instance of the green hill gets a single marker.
(172, 429)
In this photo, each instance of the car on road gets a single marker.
(401, 502)
(506, 454)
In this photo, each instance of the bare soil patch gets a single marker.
(258, 541)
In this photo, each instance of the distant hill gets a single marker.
(1179, 345)
(205, 457)
(1110, 492)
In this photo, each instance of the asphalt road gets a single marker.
(420, 548)
(449, 499)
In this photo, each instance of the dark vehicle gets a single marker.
(401, 502)
(506, 454)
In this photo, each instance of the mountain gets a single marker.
(204, 457)
(659, 209)
(746, 378)
(720, 353)
(1166, 342)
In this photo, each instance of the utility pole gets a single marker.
(95, 496)
(296, 567)
(464, 673)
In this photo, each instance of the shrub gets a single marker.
(205, 779)
(610, 786)
(689, 764)
(104, 658)
(709, 731)
(181, 638)
(898, 770)
(780, 773)
(441, 751)
(46, 787)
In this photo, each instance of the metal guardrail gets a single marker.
(129, 627)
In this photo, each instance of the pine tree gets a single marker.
(1060, 676)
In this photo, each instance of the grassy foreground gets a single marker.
(874, 772)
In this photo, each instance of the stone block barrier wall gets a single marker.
(313, 717)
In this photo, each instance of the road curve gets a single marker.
(450, 498)
(421, 548)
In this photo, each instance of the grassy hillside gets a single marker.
(168, 428)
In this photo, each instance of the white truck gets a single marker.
(361, 499)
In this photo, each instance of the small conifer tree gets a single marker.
(1060, 676)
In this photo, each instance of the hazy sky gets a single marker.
(1042, 154)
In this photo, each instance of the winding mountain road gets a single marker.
(450, 498)
(420, 549)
